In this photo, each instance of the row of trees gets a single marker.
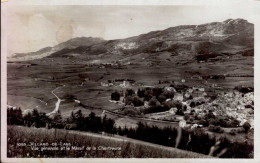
(192, 140)
(76, 121)
(34, 118)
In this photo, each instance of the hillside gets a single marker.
(44, 52)
(130, 148)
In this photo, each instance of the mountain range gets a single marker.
(230, 37)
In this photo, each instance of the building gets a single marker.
(173, 110)
(125, 84)
(178, 97)
(104, 84)
(182, 123)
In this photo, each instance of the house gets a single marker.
(178, 97)
(240, 107)
(104, 84)
(182, 123)
(146, 105)
(125, 84)
(187, 95)
(173, 110)
(170, 89)
(189, 90)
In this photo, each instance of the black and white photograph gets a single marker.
(128, 81)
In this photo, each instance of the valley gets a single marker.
(213, 63)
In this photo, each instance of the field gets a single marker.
(124, 147)
(30, 83)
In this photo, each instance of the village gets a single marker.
(188, 106)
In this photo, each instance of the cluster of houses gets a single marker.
(237, 105)
(233, 104)
(122, 83)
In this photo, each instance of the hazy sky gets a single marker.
(34, 27)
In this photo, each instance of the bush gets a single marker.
(148, 94)
(204, 122)
(168, 94)
(153, 102)
(133, 100)
(186, 117)
(129, 92)
(140, 93)
(157, 91)
(216, 129)
(233, 132)
(241, 130)
(161, 98)
(246, 126)
(137, 101)
(244, 89)
(115, 96)
(233, 123)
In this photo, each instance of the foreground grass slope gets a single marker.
(130, 148)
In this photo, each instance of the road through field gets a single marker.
(139, 118)
(57, 105)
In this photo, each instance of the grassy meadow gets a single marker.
(122, 147)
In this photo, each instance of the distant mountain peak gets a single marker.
(236, 21)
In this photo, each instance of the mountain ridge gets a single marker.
(205, 38)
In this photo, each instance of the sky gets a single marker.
(33, 27)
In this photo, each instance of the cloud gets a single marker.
(30, 35)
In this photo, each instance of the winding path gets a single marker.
(57, 105)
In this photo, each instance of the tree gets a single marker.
(157, 91)
(168, 94)
(35, 117)
(95, 124)
(79, 119)
(180, 108)
(129, 92)
(115, 96)
(233, 123)
(246, 126)
(108, 125)
(14, 116)
(78, 114)
(28, 119)
(57, 121)
(186, 117)
(137, 102)
(140, 93)
(161, 98)
(148, 94)
(153, 102)
(210, 115)
(232, 132)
